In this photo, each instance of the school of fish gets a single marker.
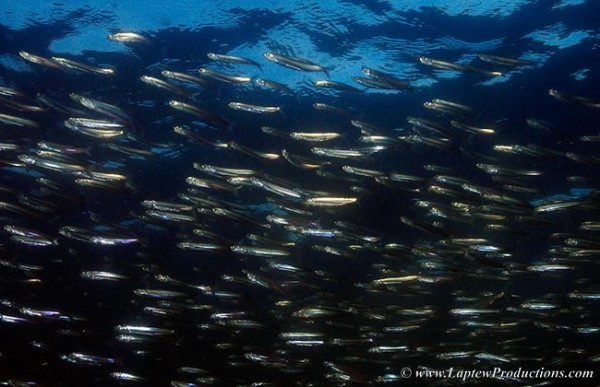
(320, 248)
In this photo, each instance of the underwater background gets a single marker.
(401, 186)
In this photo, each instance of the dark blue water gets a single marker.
(560, 38)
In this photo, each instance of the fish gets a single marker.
(51, 164)
(38, 237)
(536, 123)
(252, 152)
(456, 66)
(386, 78)
(338, 153)
(472, 129)
(336, 86)
(164, 85)
(275, 188)
(278, 86)
(253, 108)
(232, 59)
(89, 359)
(73, 65)
(36, 59)
(501, 60)
(422, 123)
(62, 148)
(224, 171)
(198, 138)
(448, 107)
(130, 37)
(332, 109)
(18, 121)
(187, 78)
(329, 201)
(10, 92)
(103, 276)
(259, 251)
(315, 137)
(295, 63)
(103, 108)
(375, 83)
(208, 116)
(222, 77)
(573, 99)
(16, 105)
(300, 161)
(95, 128)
